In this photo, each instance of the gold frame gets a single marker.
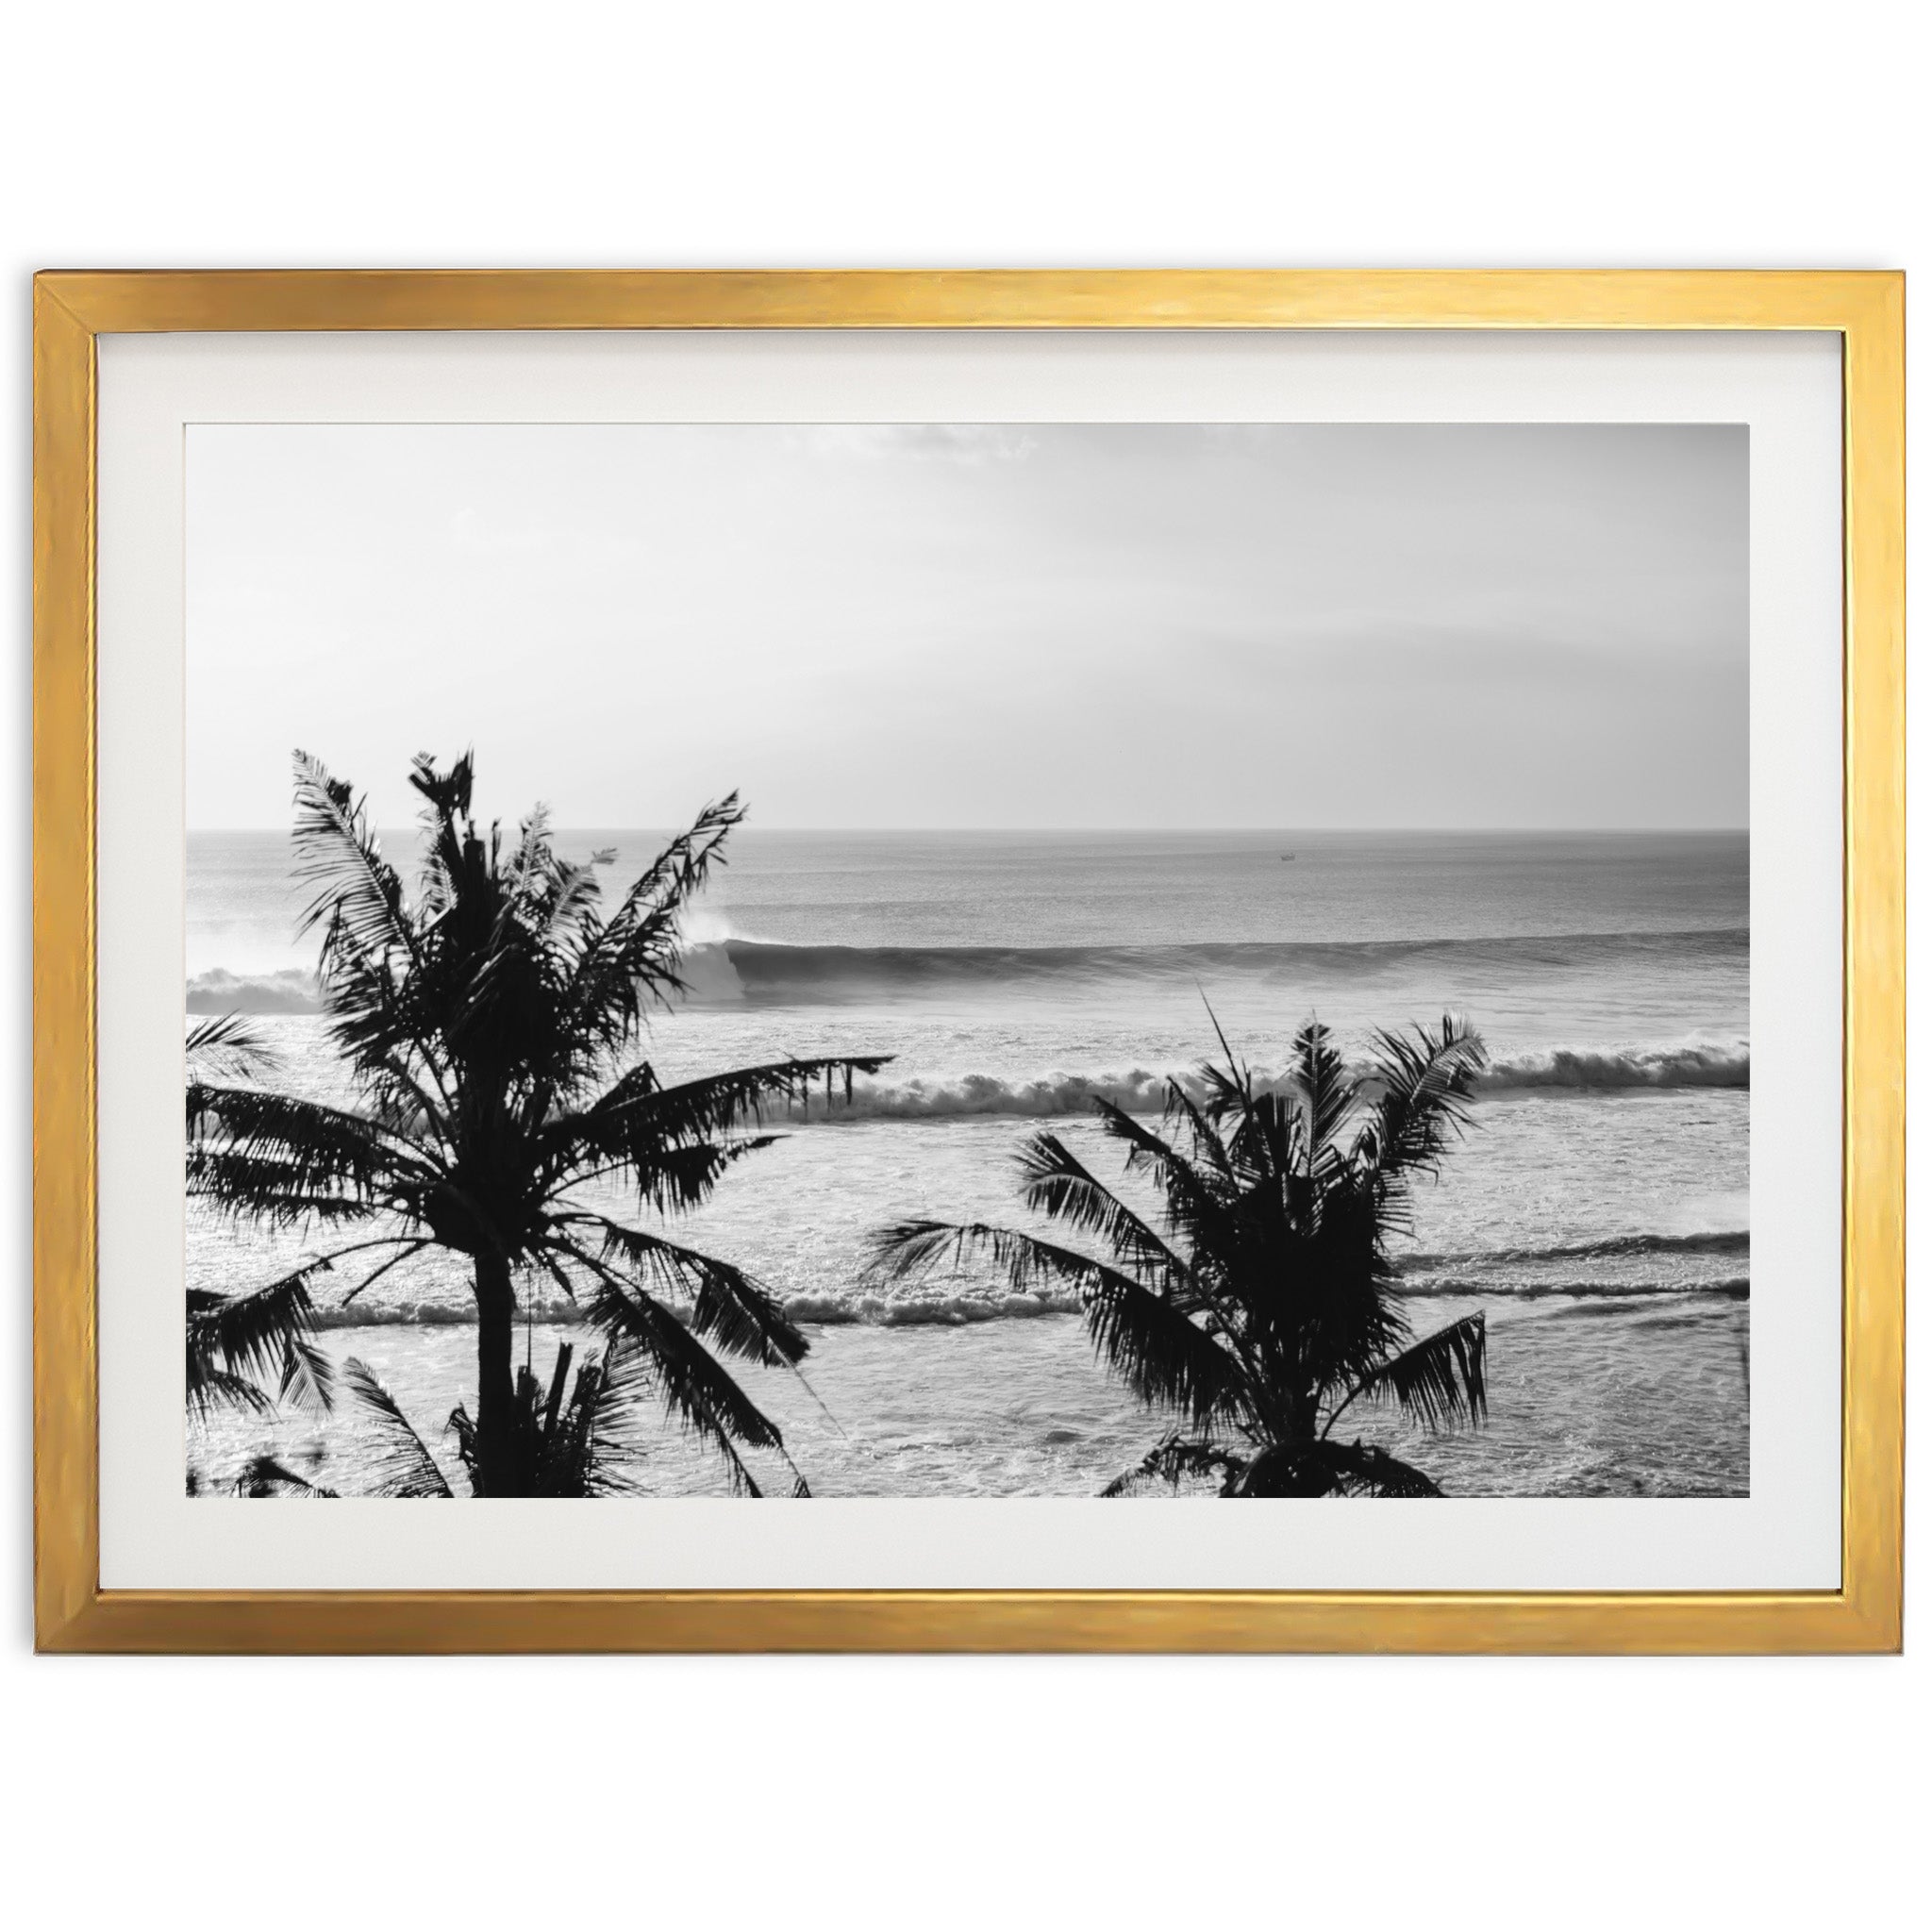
(73, 1613)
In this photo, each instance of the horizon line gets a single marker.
(1090, 831)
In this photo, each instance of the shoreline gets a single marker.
(962, 1312)
(1586, 1400)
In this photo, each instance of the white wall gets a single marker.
(1360, 1792)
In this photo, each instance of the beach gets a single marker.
(1598, 1210)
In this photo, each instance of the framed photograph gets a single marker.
(969, 962)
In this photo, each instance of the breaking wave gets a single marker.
(1706, 1242)
(956, 1311)
(727, 970)
(734, 971)
(1599, 1069)
(1139, 1091)
(925, 1312)
(1730, 1288)
(961, 1309)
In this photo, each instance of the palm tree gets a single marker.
(236, 1343)
(490, 1024)
(1258, 1305)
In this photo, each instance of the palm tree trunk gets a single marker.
(497, 1461)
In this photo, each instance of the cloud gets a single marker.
(971, 444)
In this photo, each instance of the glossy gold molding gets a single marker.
(72, 1612)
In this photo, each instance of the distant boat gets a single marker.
(605, 855)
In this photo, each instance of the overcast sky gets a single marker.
(1047, 625)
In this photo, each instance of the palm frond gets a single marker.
(1321, 1078)
(739, 1314)
(1165, 1358)
(225, 1047)
(639, 1112)
(1056, 1183)
(1182, 1110)
(669, 1179)
(696, 1391)
(632, 958)
(1172, 1460)
(1195, 1202)
(212, 1388)
(265, 1477)
(408, 1248)
(234, 1342)
(240, 1188)
(251, 1149)
(308, 1377)
(358, 895)
(404, 1466)
(600, 1423)
(464, 1431)
(1437, 1382)
(1427, 1077)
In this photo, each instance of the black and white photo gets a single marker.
(1037, 959)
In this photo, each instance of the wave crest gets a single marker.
(1050, 1095)
(1734, 1288)
(962, 1310)
(1695, 1065)
(1703, 1242)
(729, 967)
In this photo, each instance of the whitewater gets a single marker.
(1598, 1212)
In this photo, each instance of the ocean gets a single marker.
(1598, 1209)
